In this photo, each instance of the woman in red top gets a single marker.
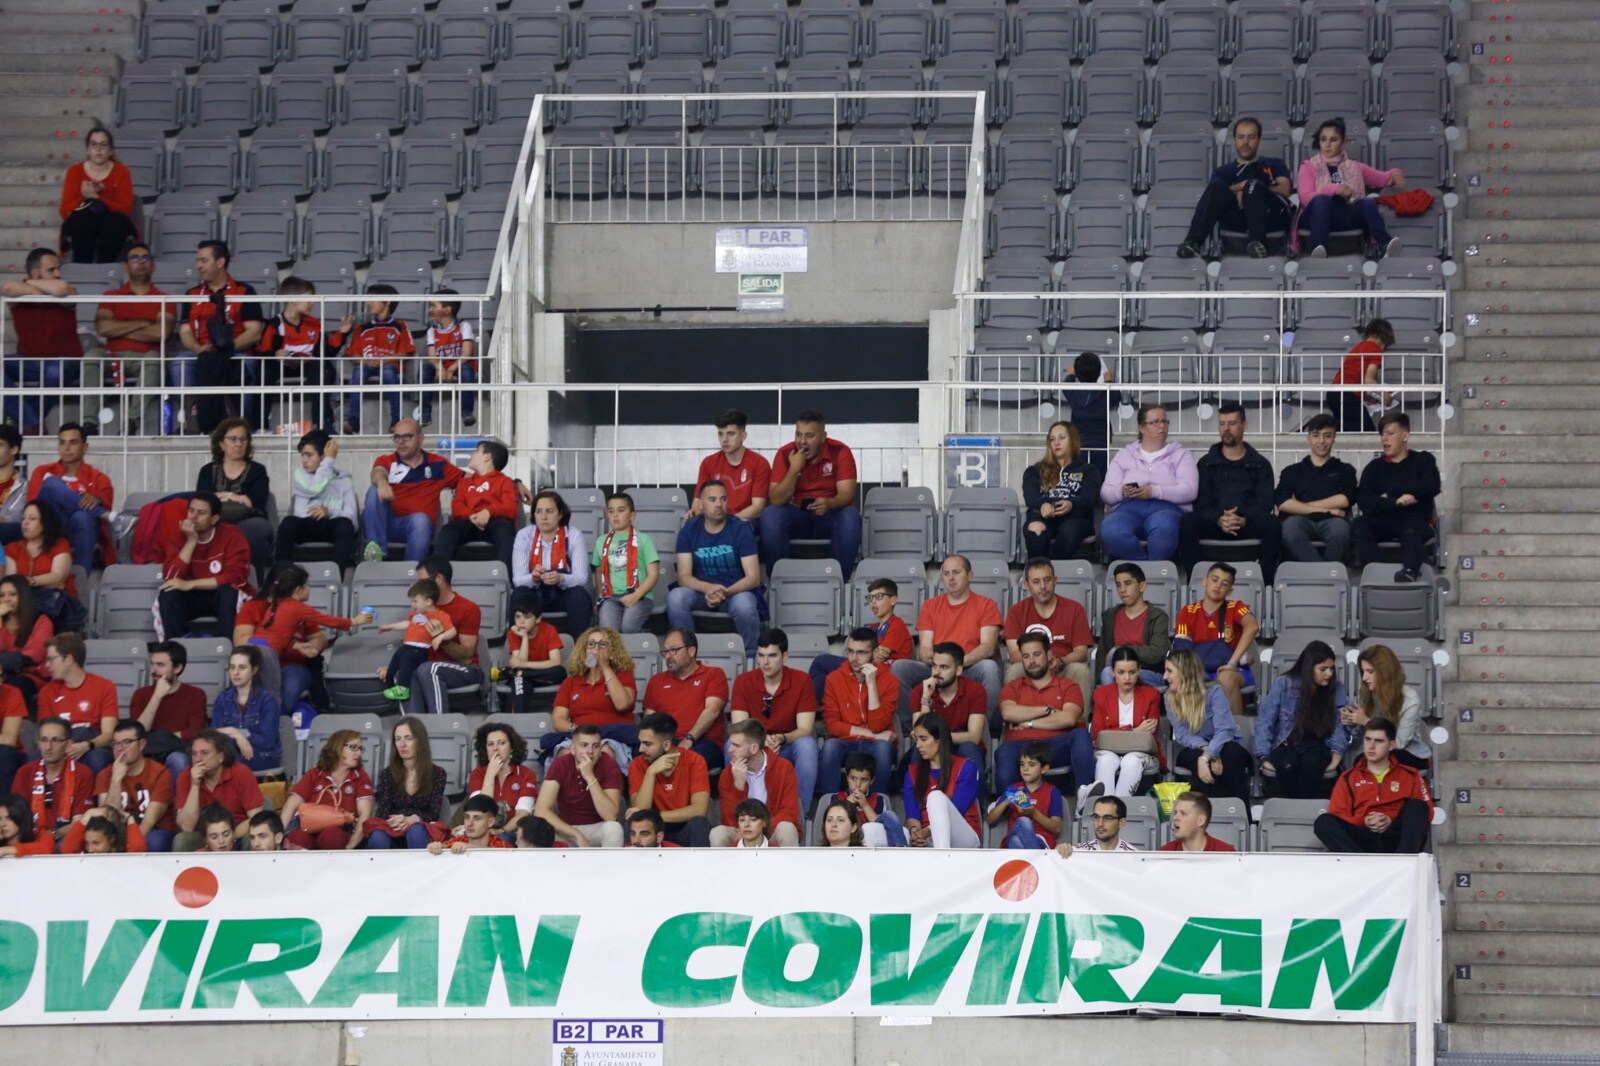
(503, 775)
(44, 557)
(599, 688)
(1363, 366)
(337, 781)
(1133, 710)
(290, 627)
(97, 203)
(17, 837)
(23, 631)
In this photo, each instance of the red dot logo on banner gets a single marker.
(195, 887)
(1016, 880)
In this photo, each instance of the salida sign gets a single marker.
(311, 938)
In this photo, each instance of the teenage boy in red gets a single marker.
(380, 345)
(208, 567)
(691, 694)
(132, 330)
(452, 355)
(81, 495)
(581, 794)
(672, 779)
(297, 350)
(57, 788)
(812, 494)
(858, 705)
(786, 704)
(484, 508)
(1221, 631)
(894, 636)
(168, 704)
(1379, 804)
(756, 773)
(85, 701)
(1191, 818)
(403, 502)
(533, 650)
(1032, 807)
(747, 475)
(475, 831)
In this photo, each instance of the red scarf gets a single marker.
(632, 569)
(558, 551)
(41, 786)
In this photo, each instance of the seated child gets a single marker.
(417, 643)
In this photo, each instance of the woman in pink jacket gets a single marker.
(1147, 488)
(1333, 195)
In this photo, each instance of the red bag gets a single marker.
(1409, 203)
(315, 817)
(157, 527)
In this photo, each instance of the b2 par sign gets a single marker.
(775, 933)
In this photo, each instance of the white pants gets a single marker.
(784, 835)
(873, 836)
(602, 834)
(1121, 774)
(947, 828)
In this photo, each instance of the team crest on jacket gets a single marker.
(216, 566)
(827, 469)
(1394, 786)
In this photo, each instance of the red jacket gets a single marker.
(493, 491)
(225, 557)
(844, 702)
(285, 623)
(783, 793)
(1146, 706)
(1358, 793)
(88, 479)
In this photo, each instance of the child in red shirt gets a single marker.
(417, 642)
(452, 351)
(381, 344)
(534, 650)
(1032, 808)
(296, 348)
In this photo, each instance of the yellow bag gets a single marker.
(276, 792)
(1167, 793)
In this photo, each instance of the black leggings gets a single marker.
(1061, 538)
(1234, 781)
(96, 236)
(1300, 766)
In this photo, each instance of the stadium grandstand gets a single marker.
(968, 434)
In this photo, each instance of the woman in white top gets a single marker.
(551, 556)
(1123, 714)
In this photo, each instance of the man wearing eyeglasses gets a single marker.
(784, 701)
(403, 502)
(1149, 486)
(1110, 815)
(691, 693)
(133, 330)
(141, 788)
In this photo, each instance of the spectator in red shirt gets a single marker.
(1191, 818)
(208, 566)
(484, 507)
(894, 636)
(1064, 621)
(1380, 804)
(673, 780)
(1221, 632)
(49, 354)
(403, 502)
(296, 351)
(756, 773)
(219, 324)
(340, 782)
(81, 495)
(140, 788)
(43, 559)
(381, 346)
(1363, 366)
(476, 830)
(858, 712)
(171, 711)
(959, 700)
(13, 712)
(17, 835)
(746, 474)
(813, 494)
(1041, 706)
(1032, 808)
(503, 773)
(600, 691)
(288, 630)
(133, 329)
(215, 777)
(691, 693)
(785, 702)
(23, 633)
(97, 202)
(452, 355)
(959, 616)
(56, 787)
(581, 796)
(533, 651)
(87, 701)
(453, 664)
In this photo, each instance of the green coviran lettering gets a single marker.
(1238, 980)
(493, 940)
(66, 946)
(415, 981)
(1121, 941)
(1316, 944)
(665, 979)
(999, 955)
(172, 964)
(228, 964)
(837, 938)
(19, 953)
(895, 980)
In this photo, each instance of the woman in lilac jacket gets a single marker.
(1147, 488)
(1333, 195)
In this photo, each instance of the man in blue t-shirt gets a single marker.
(1251, 193)
(718, 569)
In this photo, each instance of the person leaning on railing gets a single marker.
(49, 354)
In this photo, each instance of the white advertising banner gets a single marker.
(676, 933)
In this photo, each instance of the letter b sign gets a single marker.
(972, 462)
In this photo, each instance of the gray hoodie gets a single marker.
(329, 486)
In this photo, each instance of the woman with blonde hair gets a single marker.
(333, 799)
(1203, 729)
(1061, 492)
(1385, 694)
(599, 689)
(410, 794)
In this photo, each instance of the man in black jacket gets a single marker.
(1396, 498)
(1315, 497)
(1235, 497)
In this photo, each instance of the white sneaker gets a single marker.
(1392, 248)
(1087, 794)
(1319, 252)
(121, 524)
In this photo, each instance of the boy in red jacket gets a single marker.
(484, 507)
(1379, 804)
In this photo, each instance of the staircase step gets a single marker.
(1513, 36)
(1537, 1009)
(1534, 424)
(1537, 54)
(1530, 981)
(1527, 593)
(1491, 644)
(1529, 205)
(66, 86)
(1506, 348)
(1491, 948)
(1516, 547)
(1553, 371)
(1501, 163)
(1485, 101)
(73, 28)
(1507, 522)
(1496, 499)
(1535, 74)
(59, 63)
(29, 216)
(1487, 281)
(1522, 1040)
(1572, 721)
(1493, 624)
(1558, 694)
(34, 194)
(1502, 748)
(30, 237)
(62, 110)
(55, 128)
(1493, 805)
(1539, 568)
(1500, 253)
(47, 43)
(1531, 475)
(1497, 829)
(1529, 917)
(1496, 888)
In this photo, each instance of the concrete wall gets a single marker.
(889, 272)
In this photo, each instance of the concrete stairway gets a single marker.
(59, 63)
(1520, 778)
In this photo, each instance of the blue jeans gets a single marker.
(842, 528)
(464, 374)
(82, 523)
(415, 838)
(1325, 213)
(1153, 521)
(381, 527)
(1068, 747)
(743, 606)
(802, 755)
(367, 375)
(159, 840)
(295, 684)
(45, 373)
(835, 751)
(96, 759)
(176, 763)
(1024, 836)
(893, 829)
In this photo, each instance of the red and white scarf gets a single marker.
(558, 551)
(631, 567)
(41, 788)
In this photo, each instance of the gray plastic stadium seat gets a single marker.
(1032, 153)
(450, 741)
(448, 93)
(144, 153)
(1100, 222)
(151, 96)
(488, 584)
(1039, 89)
(263, 224)
(414, 224)
(1264, 86)
(1415, 145)
(1332, 276)
(225, 98)
(991, 577)
(1421, 26)
(662, 77)
(1313, 596)
(817, 74)
(1348, 26)
(433, 159)
(1395, 611)
(206, 162)
(1279, 659)
(755, 29)
(374, 738)
(658, 512)
(1164, 222)
(1076, 581)
(1143, 829)
(889, 74)
(321, 31)
(1017, 275)
(908, 574)
(350, 673)
(804, 162)
(1088, 275)
(1335, 83)
(883, 161)
(180, 36)
(1258, 275)
(1164, 586)
(1043, 28)
(208, 664)
(732, 163)
(826, 28)
(964, 72)
(1421, 672)
(247, 35)
(613, 29)
(1024, 220)
(1286, 825)
(1105, 155)
(512, 90)
(685, 29)
(123, 662)
(1267, 27)
(588, 507)
(1174, 275)
(376, 94)
(180, 221)
(282, 160)
(1195, 27)
(1158, 359)
(395, 30)
(901, 28)
(466, 31)
(337, 223)
(123, 603)
(806, 596)
(742, 74)
(804, 648)
(598, 75)
(645, 650)
(975, 28)
(725, 650)
(1179, 157)
(1230, 822)
(1128, 27)
(302, 94)
(1413, 85)
(494, 158)
(1188, 89)
(899, 523)
(472, 276)
(1111, 90)
(537, 29)
(356, 159)
(1418, 320)
(983, 521)
(477, 224)
(412, 276)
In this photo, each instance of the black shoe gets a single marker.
(1188, 250)
(1256, 249)
(1405, 576)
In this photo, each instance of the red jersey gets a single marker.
(895, 635)
(574, 804)
(467, 617)
(236, 791)
(962, 623)
(1057, 693)
(46, 331)
(820, 478)
(300, 340)
(1197, 627)
(12, 705)
(1046, 799)
(1212, 844)
(673, 791)
(132, 312)
(184, 711)
(684, 698)
(783, 793)
(417, 488)
(448, 343)
(225, 557)
(1353, 371)
(152, 785)
(544, 643)
(54, 803)
(1067, 628)
(591, 702)
(87, 479)
(41, 564)
(416, 633)
(199, 313)
(1359, 792)
(317, 786)
(969, 699)
(86, 705)
(492, 492)
(751, 478)
(780, 714)
(383, 339)
(518, 791)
